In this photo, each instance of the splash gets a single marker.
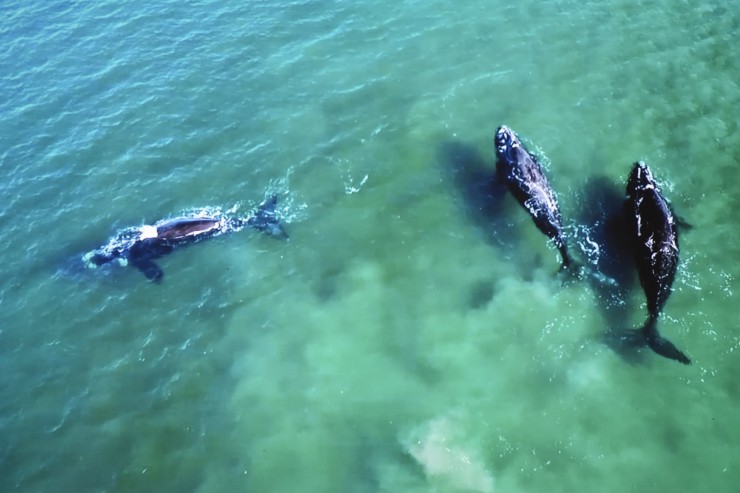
(728, 282)
(537, 152)
(589, 248)
(687, 276)
(289, 208)
(344, 167)
(349, 188)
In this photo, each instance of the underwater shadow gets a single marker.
(602, 211)
(483, 195)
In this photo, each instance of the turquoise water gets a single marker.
(411, 336)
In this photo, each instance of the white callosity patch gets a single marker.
(147, 231)
(86, 260)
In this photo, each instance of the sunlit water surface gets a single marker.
(412, 335)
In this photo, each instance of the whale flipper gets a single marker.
(142, 254)
(149, 268)
(683, 223)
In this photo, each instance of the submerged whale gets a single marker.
(526, 181)
(654, 233)
(140, 246)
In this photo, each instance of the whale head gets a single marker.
(116, 249)
(640, 179)
(96, 258)
(508, 145)
(504, 136)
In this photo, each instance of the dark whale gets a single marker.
(139, 247)
(526, 181)
(654, 235)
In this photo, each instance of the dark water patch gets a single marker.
(474, 178)
(400, 339)
(325, 286)
(481, 293)
(673, 435)
(601, 211)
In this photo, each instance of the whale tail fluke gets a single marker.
(666, 348)
(648, 336)
(660, 345)
(266, 220)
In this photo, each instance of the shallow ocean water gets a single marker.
(412, 334)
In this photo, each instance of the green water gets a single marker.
(411, 336)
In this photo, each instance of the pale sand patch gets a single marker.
(447, 461)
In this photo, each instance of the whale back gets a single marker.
(655, 236)
(526, 180)
(187, 227)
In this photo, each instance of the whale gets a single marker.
(140, 246)
(653, 231)
(524, 178)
